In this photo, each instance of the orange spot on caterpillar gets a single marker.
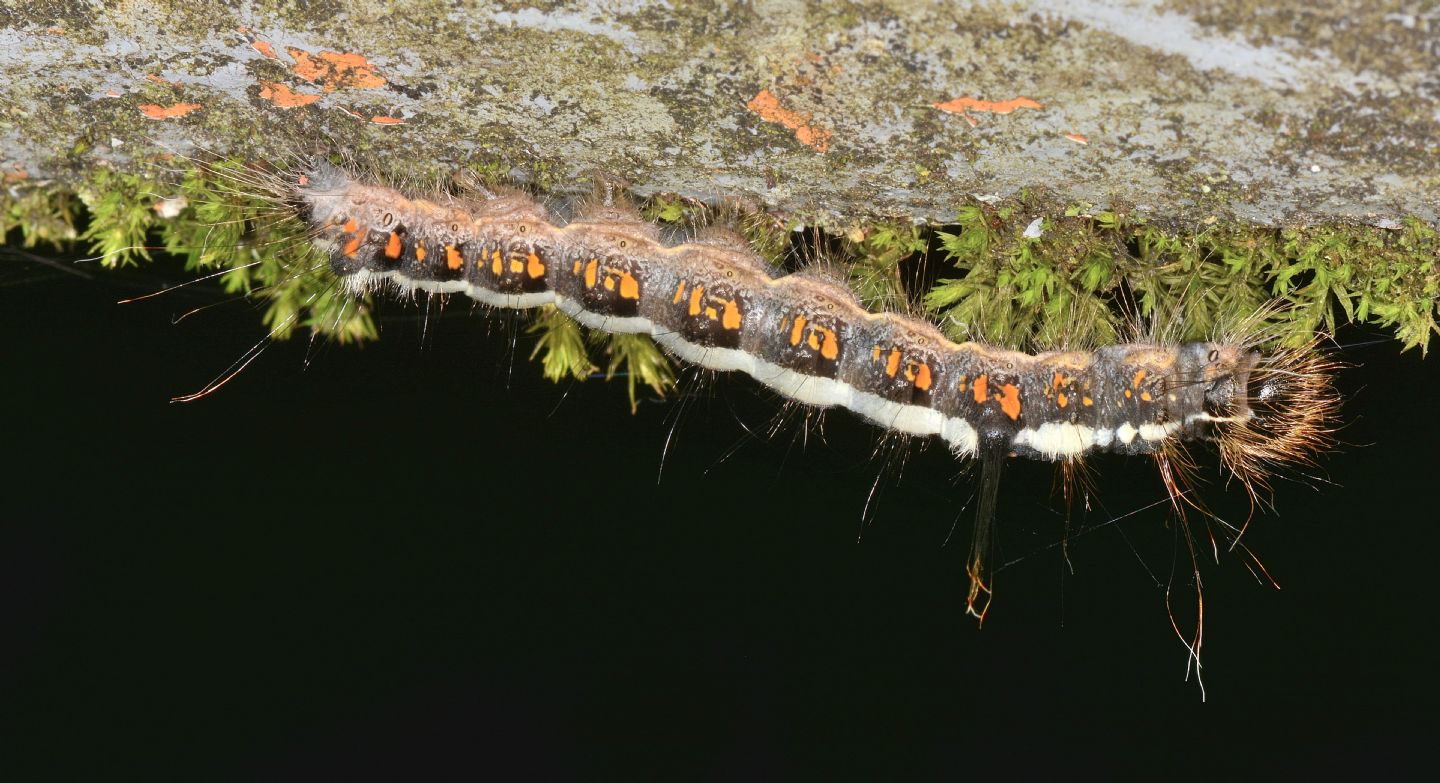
(590, 270)
(830, 348)
(1077, 138)
(711, 313)
(350, 226)
(695, 294)
(1062, 400)
(1145, 395)
(875, 354)
(517, 266)
(1129, 394)
(1086, 401)
(333, 70)
(420, 251)
(284, 97)
(265, 49)
(768, 107)
(393, 246)
(534, 267)
(629, 286)
(452, 258)
(353, 245)
(1138, 379)
(796, 330)
(731, 318)
(922, 377)
(679, 293)
(970, 103)
(1009, 398)
(892, 364)
(609, 283)
(497, 265)
(157, 112)
(982, 389)
(813, 341)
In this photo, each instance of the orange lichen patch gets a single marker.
(971, 103)
(1009, 398)
(55, 30)
(333, 70)
(157, 112)
(383, 120)
(155, 78)
(112, 93)
(1077, 138)
(768, 107)
(284, 97)
(265, 49)
(15, 175)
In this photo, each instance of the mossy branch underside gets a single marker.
(1007, 273)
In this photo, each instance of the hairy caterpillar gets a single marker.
(710, 300)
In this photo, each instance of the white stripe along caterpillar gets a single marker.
(713, 302)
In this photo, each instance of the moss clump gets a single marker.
(1070, 279)
(1011, 274)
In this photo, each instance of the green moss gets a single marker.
(40, 214)
(1081, 277)
(1090, 272)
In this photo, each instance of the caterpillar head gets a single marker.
(1266, 409)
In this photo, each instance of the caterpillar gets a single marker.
(710, 300)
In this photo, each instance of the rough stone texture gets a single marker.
(1251, 111)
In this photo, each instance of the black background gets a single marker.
(420, 556)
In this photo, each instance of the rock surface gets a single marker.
(1256, 112)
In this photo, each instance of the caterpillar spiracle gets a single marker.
(710, 300)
